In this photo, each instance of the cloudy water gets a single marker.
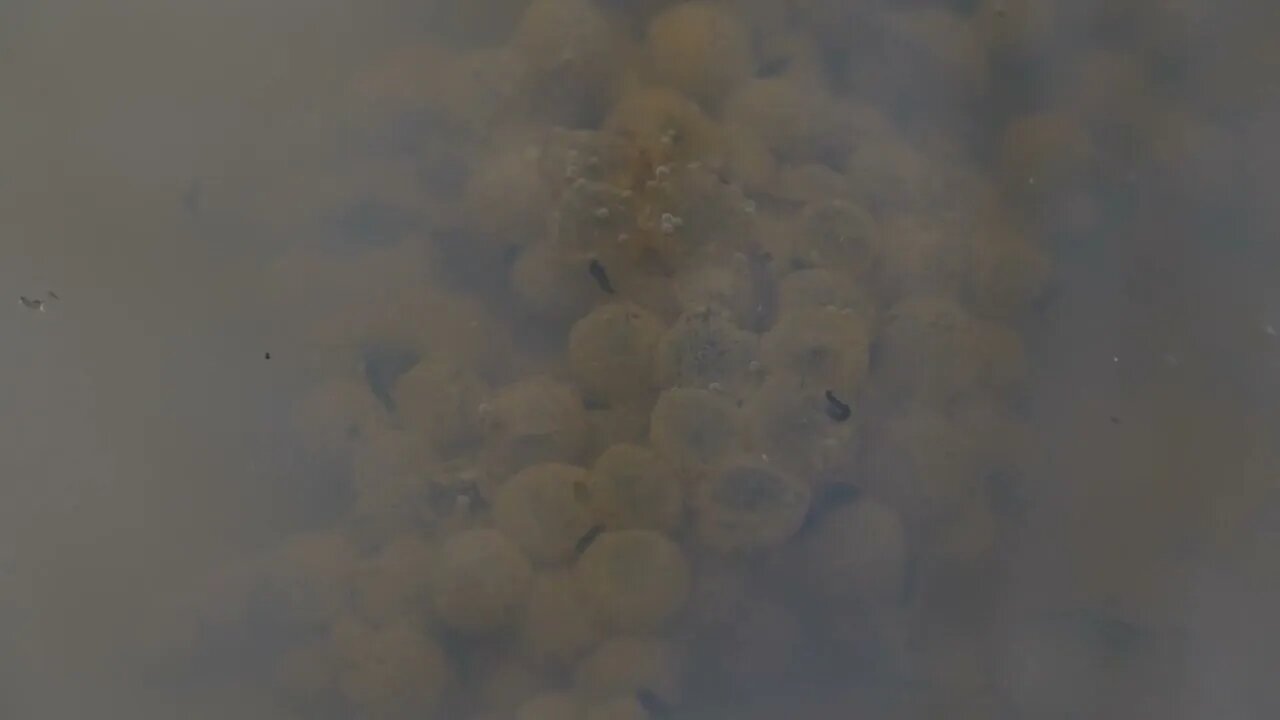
(588, 359)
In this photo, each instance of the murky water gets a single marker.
(574, 359)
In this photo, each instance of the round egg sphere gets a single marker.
(633, 581)
(544, 510)
(749, 505)
(694, 429)
(611, 352)
(632, 488)
(481, 581)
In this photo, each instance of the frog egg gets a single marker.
(481, 582)
(827, 348)
(505, 682)
(749, 505)
(893, 176)
(733, 288)
(534, 420)
(551, 285)
(811, 183)
(339, 416)
(857, 555)
(705, 346)
(610, 426)
(669, 127)
(390, 487)
(922, 256)
(552, 706)
(571, 56)
(701, 49)
(929, 349)
(611, 352)
(748, 162)
(439, 400)
(839, 236)
(590, 218)
(543, 510)
(806, 290)
(305, 582)
(694, 429)
(794, 116)
(789, 421)
(939, 67)
(627, 665)
(392, 671)
(1010, 273)
(395, 584)
(633, 580)
(506, 197)
(921, 463)
(634, 489)
(558, 629)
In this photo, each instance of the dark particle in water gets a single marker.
(266, 356)
(601, 276)
(837, 410)
(589, 537)
(54, 295)
(1115, 419)
(652, 704)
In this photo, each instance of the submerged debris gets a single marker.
(32, 303)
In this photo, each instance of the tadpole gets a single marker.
(596, 268)
(585, 541)
(837, 410)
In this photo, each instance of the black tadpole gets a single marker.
(585, 541)
(837, 410)
(596, 268)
